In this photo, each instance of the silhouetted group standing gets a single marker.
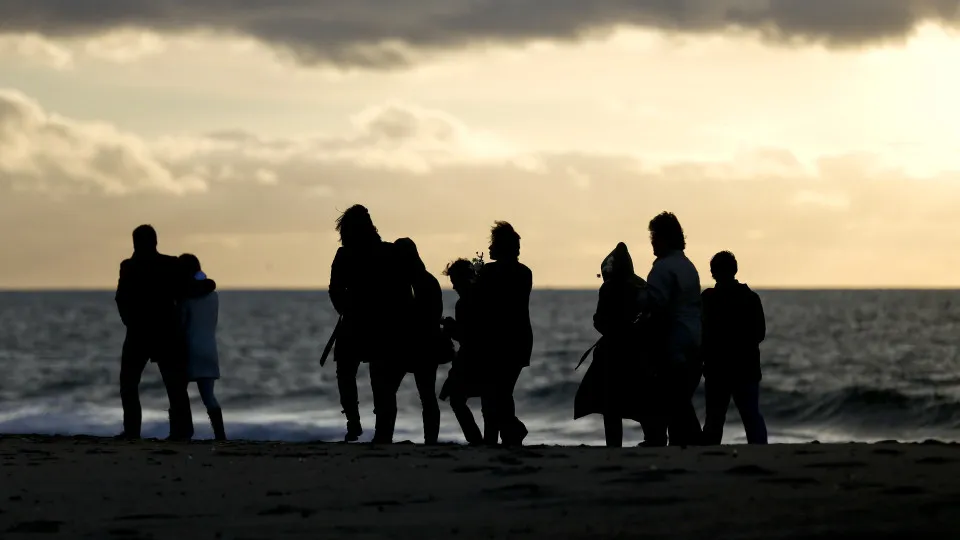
(391, 316)
(659, 337)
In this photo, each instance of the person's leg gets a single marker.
(717, 396)
(747, 399)
(205, 386)
(347, 367)
(207, 396)
(385, 379)
(426, 379)
(132, 361)
(468, 424)
(511, 425)
(173, 371)
(613, 430)
(683, 423)
(654, 419)
(490, 405)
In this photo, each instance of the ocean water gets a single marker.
(838, 366)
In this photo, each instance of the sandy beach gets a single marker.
(94, 488)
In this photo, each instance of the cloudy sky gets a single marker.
(817, 139)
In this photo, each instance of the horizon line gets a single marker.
(792, 288)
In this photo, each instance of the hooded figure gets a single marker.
(612, 385)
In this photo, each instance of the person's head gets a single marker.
(666, 234)
(618, 264)
(356, 228)
(145, 238)
(190, 264)
(461, 274)
(504, 242)
(723, 266)
(411, 256)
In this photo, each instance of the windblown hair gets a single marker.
(723, 265)
(504, 239)
(666, 234)
(356, 227)
(458, 267)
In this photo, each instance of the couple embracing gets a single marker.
(170, 310)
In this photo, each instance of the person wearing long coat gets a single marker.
(199, 315)
(613, 385)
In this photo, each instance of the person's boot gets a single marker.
(514, 434)
(354, 429)
(383, 428)
(132, 418)
(175, 423)
(431, 428)
(131, 428)
(187, 424)
(216, 422)
(181, 425)
(491, 433)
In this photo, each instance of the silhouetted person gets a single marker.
(148, 292)
(374, 299)
(613, 385)
(426, 334)
(199, 314)
(733, 328)
(672, 296)
(464, 381)
(503, 293)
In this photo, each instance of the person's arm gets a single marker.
(339, 293)
(123, 294)
(527, 282)
(760, 320)
(656, 294)
(437, 302)
(601, 319)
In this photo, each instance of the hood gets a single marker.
(618, 264)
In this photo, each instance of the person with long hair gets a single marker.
(426, 336)
(373, 300)
(503, 293)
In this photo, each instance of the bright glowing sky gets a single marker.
(822, 152)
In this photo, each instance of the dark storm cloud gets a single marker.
(357, 32)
